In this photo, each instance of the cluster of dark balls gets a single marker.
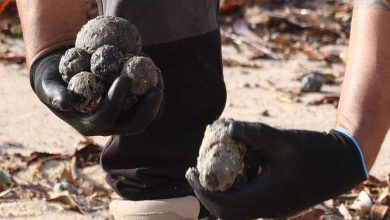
(106, 47)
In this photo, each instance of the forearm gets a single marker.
(49, 24)
(365, 98)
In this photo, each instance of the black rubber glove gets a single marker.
(299, 169)
(47, 83)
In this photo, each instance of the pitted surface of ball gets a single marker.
(74, 61)
(142, 72)
(109, 30)
(220, 159)
(106, 62)
(87, 91)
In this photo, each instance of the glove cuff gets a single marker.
(356, 144)
(36, 62)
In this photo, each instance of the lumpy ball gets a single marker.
(109, 30)
(87, 91)
(74, 60)
(221, 159)
(142, 72)
(106, 62)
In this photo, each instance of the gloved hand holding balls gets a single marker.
(106, 47)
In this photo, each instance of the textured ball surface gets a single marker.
(220, 159)
(106, 62)
(74, 60)
(143, 74)
(87, 91)
(109, 30)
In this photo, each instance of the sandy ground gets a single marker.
(252, 93)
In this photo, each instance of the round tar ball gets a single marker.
(143, 74)
(74, 60)
(87, 91)
(110, 30)
(106, 62)
(220, 159)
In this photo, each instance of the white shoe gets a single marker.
(184, 208)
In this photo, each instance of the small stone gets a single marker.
(87, 91)
(64, 187)
(220, 159)
(265, 113)
(245, 85)
(312, 82)
(143, 74)
(106, 62)
(74, 60)
(109, 30)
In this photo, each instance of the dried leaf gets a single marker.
(331, 99)
(379, 212)
(68, 201)
(312, 214)
(87, 155)
(229, 6)
(241, 28)
(375, 182)
(4, 5)
(344, 212)
(67, 176)
(361, 206)
(236, 63)
(12, 58)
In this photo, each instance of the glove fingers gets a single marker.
(111, 105)
(143, 114)
(58, 96)
(222, 204)
(258, 136)
(50, 87)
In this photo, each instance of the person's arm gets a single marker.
(302, 168)
(49, 24)
(364, 108)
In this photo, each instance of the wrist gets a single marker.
(355, 143)
(368, 137)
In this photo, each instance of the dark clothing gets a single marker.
(183, 39)
(162, 21)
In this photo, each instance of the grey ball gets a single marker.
(106, 62)
(74, 60)
(143, 74)
(109, 30)
(220, 159)
(87, 91)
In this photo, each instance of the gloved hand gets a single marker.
(52, 91)
(299, 169)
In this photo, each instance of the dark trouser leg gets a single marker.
(151, 165)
